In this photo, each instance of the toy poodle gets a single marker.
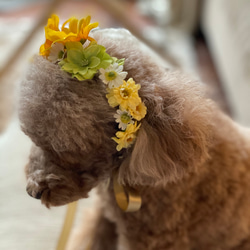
(188, 162)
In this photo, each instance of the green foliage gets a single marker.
(83, 63)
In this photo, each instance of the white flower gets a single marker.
(124, 118)
(56, 52)
(113, 76)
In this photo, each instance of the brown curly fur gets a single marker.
(190, 162)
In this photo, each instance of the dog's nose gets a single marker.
(36, 195)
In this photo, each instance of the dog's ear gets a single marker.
(174, 137)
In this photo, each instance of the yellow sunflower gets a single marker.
(125, 139)
(126, 95)
(77, 31)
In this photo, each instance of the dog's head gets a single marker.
(71, 123)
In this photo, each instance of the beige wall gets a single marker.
(226, 24)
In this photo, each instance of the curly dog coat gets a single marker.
(190, 162)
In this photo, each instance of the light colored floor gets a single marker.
(25, 224)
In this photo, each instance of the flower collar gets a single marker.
(78, 54)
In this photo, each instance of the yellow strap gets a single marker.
(127, 198)
(68, 222)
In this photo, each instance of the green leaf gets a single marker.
(61, 63)
(75, 56)
(120, 61)
(104, 64)
(83, 63)
(102, 50)
(74, 45)
(90, 74)
(94, 62)
(68, 67)
(76, 69)
(83, 71)
(106, 56)
(92, 50)
(79, 77)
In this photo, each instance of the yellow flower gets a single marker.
(45, 48)
(126, 138)
(139, 112)
(53, 22)
(78, 31)
(126, 95)
(52, 33)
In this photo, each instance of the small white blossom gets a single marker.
(56, 52)
(113, 76)
(124, 118)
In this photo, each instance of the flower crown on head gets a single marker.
(78, 54)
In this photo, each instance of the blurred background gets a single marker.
(209, 39)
